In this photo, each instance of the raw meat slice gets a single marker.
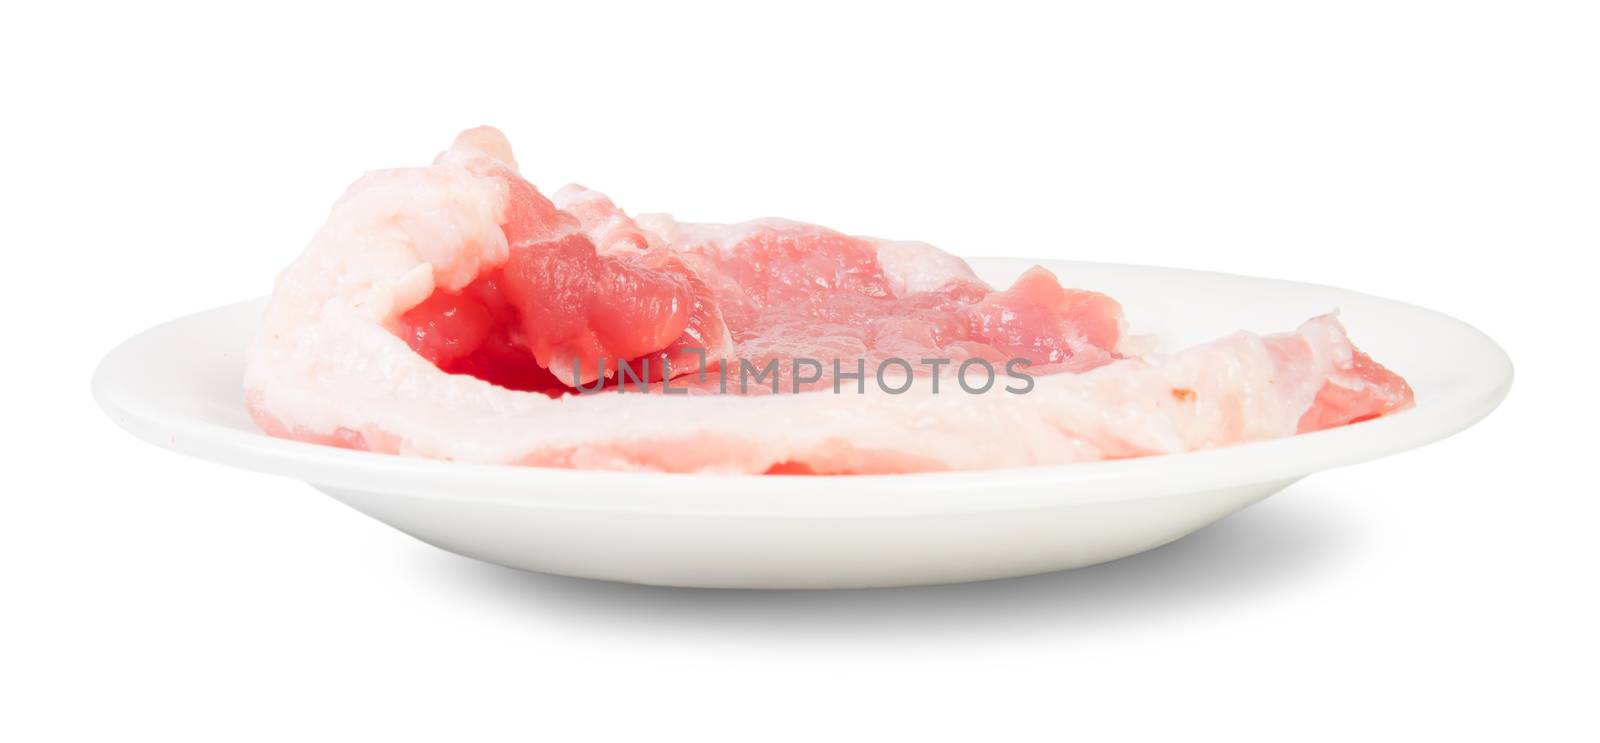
(451, 311)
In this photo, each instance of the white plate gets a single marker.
(178, 386)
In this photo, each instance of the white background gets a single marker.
(162, 160)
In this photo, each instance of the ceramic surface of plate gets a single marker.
(178, 386)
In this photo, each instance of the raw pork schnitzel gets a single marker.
(454, 311)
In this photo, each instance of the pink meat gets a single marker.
(443, 308)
